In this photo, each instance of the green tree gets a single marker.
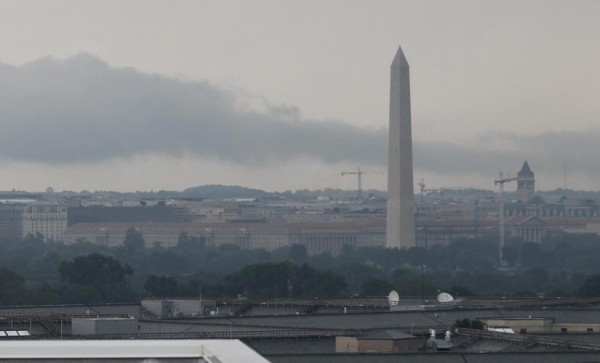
(375, 287)
(591, 287)
(183, 239)
(93, 269)
(357, 273)
(162, 286)
(271, 280)
(265, 280)
(461, 291)
(310, 282)
(12, 287)
(134, 240)
(298, 253)
(531, 254)
(510, 254)
(190, 243)
(36, 238)
(536, 277)
(96, 278)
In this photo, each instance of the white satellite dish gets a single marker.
(393, 298)
(444, 297)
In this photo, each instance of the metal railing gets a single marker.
(56, 316)
(267, 334)
(529, 340)
(263, 334)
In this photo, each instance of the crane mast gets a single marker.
(500, 182)
(423, 190)
(359, 174)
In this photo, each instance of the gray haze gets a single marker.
(287, 94)
(82, 110)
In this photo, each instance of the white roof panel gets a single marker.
(231, 350)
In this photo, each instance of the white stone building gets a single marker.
(50, 220)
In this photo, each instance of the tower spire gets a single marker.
(400, 228)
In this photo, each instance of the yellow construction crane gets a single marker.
(359, 174)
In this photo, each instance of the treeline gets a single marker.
(34, 272)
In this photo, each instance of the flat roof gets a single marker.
(231, 350)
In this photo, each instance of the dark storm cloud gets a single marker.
(83, 110)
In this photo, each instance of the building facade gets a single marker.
(50, 220)
(11, 220)
(317, 237)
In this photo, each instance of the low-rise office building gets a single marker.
(317, 237)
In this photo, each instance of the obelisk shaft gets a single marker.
(400, 230)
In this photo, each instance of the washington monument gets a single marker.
(400, 229)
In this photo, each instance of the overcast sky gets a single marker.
(283, 95)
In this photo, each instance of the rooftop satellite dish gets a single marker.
(444, 297)
(393, 298)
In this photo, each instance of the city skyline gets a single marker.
(493, 84)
